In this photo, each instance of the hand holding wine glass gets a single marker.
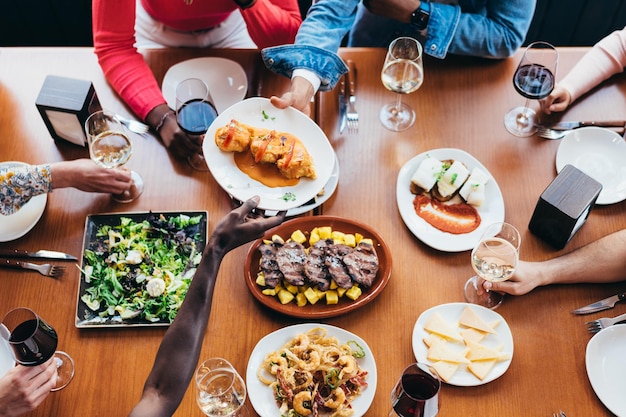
(494, 258)
(110, 147)
(195, 112)
(220, 390)
(533, 79)
(416, 393)
(33, 342)
(403, 73)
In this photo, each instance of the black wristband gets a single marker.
(245, 4)
(420, 17)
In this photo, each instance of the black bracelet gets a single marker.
(245, 4)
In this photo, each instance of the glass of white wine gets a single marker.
(494, 259)
(220, 390)
(403, 73)
(110, 147)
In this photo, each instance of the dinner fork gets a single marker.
(552, 134)
(559, 414)
(596, 325)
(352, 116)
(48, 270)
(133, 125)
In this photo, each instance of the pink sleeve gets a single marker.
(273, 22)
(123, 67)
(606, 58)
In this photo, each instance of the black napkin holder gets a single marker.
(65, 104)
(564, 206)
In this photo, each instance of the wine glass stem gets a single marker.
(522, 118)
(398, 107)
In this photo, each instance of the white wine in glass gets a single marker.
(403, 73)
(111, 147)
(220, 390)
(494, 259)
(534, 80)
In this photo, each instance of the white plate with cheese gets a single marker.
(499, 340)
(606, 367)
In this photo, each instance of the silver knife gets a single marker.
(44, 254)
(601, 305)
(576, 125)
(343, 104)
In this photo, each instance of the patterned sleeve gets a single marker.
(19, 184)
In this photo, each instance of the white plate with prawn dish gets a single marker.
(447, 198)
(253, 148)
(311, 366)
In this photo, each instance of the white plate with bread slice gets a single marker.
(467, 344)
(488, 203)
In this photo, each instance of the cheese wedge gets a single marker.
(471, 334)
(437, 324)
(445, 369)
(481, 368)
(432, 338)
(442, 351)
(469, 318)
(478, 352)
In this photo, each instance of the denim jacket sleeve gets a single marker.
(317, 42)
(487, 28)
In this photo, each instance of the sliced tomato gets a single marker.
(261, 150)
(289, 154)
(231, 133)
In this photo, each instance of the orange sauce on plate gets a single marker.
(266, 174)
(452, 218)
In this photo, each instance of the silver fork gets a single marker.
(44, 269)
(552, 134)
(352, 116)
(596, 325)
(559, 414)
(133, 125)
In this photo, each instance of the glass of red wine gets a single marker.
(534, 80)
(416, 393)
(33, 342)
(195, 112)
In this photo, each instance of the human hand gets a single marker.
(173, 137)
(24, 388)
(299, 97)
(86, 175)
(558, 100)
(525, 279)
(242, 225)
(399, 10)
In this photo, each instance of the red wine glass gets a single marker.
(195, 112)
(533, 79)
(416, 393)
(33, 342)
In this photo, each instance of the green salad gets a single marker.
(141, 269)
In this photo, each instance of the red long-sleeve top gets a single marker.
(269, 22)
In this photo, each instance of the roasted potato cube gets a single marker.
(354, 292)
(332, 297)
(260, 279)
(311, 295)
(325, 232)
(298, 236)
(291, 288)
(285, 296)
(350, 240)
(301, 300)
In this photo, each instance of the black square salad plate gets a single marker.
(136, 267)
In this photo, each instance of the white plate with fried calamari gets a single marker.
(262, 396)
(259, 112)
(491, 210)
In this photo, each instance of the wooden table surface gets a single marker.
(460, 105)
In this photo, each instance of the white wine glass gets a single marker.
(494, 259)
(403, 73)
(195, 112)
(533, 79)
(33, 342)
(416, 394)
(110, 147)
(220, 390)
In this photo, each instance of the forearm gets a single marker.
(182, 343)
(272, 22)
(601, 261)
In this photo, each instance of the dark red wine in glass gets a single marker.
(416, 393)
(533, 81)
(33, 342)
